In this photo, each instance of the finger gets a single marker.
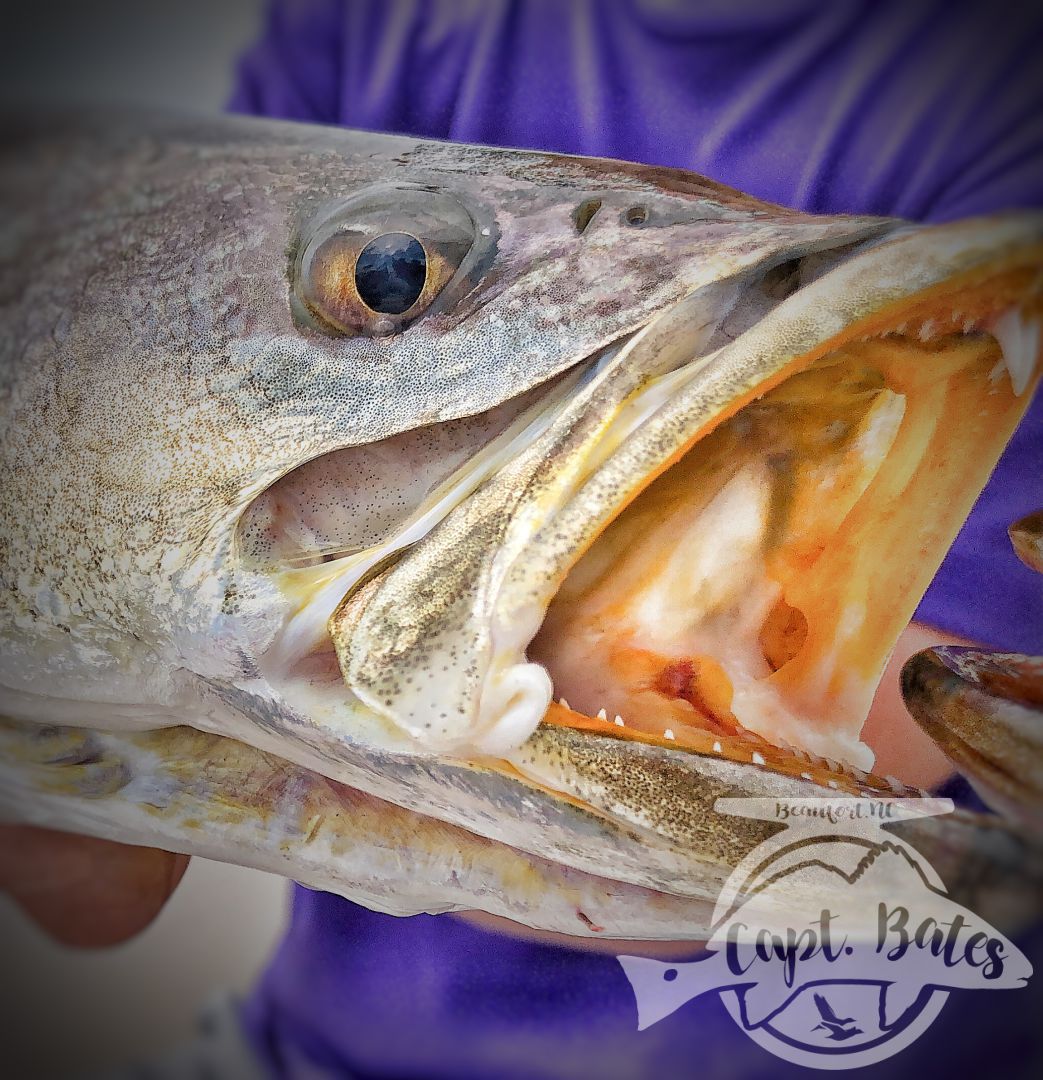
(84, 891)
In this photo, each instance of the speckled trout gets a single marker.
(450, 527)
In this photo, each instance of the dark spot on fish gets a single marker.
(593, 927)
(783, 280)
(606, 309)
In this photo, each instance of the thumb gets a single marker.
(84, 891)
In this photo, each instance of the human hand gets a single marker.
(84, 891)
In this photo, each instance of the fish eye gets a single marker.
(373, 265)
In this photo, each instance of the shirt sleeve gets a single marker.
(292, 71)
(982, 591)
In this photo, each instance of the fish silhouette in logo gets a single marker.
(838, 1029)
(878, 904)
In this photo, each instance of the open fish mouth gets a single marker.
(706, 539)
(613, 505)
(753, 592)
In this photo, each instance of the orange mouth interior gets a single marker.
(746, 602)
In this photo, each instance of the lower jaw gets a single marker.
(754, 592)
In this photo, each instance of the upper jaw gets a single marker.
(855, 586)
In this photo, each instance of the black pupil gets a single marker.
(390, 273)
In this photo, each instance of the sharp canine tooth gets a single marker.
(833, 784)
(716, 747)
(564, 704)
(618, 721)
(757, 759)
(668, 734)
(602, 715)
(926, 330)
(806, 776)
(1018, 337)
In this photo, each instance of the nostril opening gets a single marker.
(584, 212)
(783, 280)
(636, 215)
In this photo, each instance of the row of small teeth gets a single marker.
(757, 758)
(603, 715)
(929, 327)
(1017, 333)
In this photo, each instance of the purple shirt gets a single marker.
(928, 110)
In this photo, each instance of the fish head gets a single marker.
(186, 329)
(366, 452)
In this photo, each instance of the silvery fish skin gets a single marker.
(340, 692)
